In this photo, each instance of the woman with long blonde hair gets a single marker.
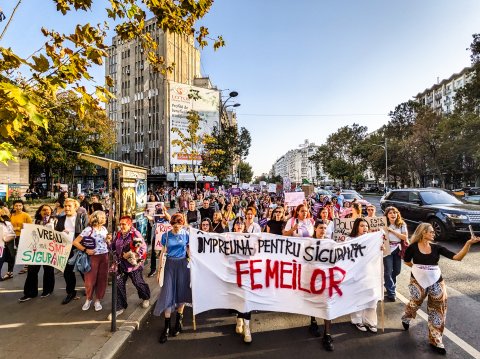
(392, 264)
(426, 280)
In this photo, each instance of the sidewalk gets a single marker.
(43, 328)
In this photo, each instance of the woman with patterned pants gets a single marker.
(426, 281)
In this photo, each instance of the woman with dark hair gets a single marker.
(277, 222)
(300, 225)
(327, 340)
(18, 217)
(42, 217)
(206, 225)
(243, 319)
(176, 291)
(8, 236)
(130, 250)
(323, 216)
(426, 280)
(94, 241)
(392, 264)
(365, 319)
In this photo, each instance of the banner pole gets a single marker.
(382, 304)
(194, 322)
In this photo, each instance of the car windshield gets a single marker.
(438, 197)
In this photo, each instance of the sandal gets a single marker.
(7, 275)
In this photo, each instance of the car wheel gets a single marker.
(439, 228)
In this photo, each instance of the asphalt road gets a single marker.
(282, 335)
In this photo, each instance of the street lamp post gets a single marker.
(223, 104)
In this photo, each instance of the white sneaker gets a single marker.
(87, 305)
(98, 306)
(247, 335)
(239, 326)
(145, 303)
(372, 328)
(117, 313)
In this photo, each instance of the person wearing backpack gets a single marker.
(300, 225)
(94, 241)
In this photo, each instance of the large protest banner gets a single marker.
(40, 245)
(263, 271)
(160, 229)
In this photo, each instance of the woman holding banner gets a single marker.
(243, 319)
(206, 225)
(176, 291)
(8, 236)
(94, 241)
(323, 216)
(327, 340)
(426, 281)
(392, 264)
(219, 224)
(365, 319)
(43, 217)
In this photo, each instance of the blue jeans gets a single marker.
(392, 264)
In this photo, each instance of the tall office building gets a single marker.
(141, 108)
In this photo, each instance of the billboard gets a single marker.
(207, 106)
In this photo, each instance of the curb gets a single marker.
(114, 345)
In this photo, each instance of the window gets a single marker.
(413, 197)
(399, 196)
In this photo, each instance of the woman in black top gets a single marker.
(276, 224)
(426, 280)
(193, 215)
(218, 223)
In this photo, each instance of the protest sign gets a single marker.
(151, 208)
(316, 209)
(376, 223)
(272, 188)
(263, 271)
(160, 229)
(342, 227)
(293, 199)
(40, 245)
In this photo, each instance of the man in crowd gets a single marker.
(206, 211)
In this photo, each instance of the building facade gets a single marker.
(440, 96)
(140, 109)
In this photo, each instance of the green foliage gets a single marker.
(245, 172)
(63, 61)
(223, 149)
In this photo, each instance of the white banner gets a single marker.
(263, 271)
(293, 199)
(207, 107)
(40, 245)
(272, 188)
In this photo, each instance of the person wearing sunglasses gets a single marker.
(276, 224)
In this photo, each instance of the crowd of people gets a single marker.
(218, 212)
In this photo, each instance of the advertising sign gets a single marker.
(207, 106)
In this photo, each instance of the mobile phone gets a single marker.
(471, 230)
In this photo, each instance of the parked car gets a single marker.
(351, 195)
(324, 192)
(475, 199)
(448, 216)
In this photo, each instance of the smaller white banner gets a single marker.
(40, 245)
(160, 229)
(293, 199)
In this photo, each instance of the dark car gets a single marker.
(448, 216)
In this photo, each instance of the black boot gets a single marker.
(178, 324)
(166, 331)
(313, 328)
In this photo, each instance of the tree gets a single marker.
(467, 98)
(64, 60)
(94, 132)
(223, 148)
(190, 142)
(245, 172)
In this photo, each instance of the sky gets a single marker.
(305, 68)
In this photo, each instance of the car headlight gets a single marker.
(456, 216)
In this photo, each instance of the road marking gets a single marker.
(452, 336)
